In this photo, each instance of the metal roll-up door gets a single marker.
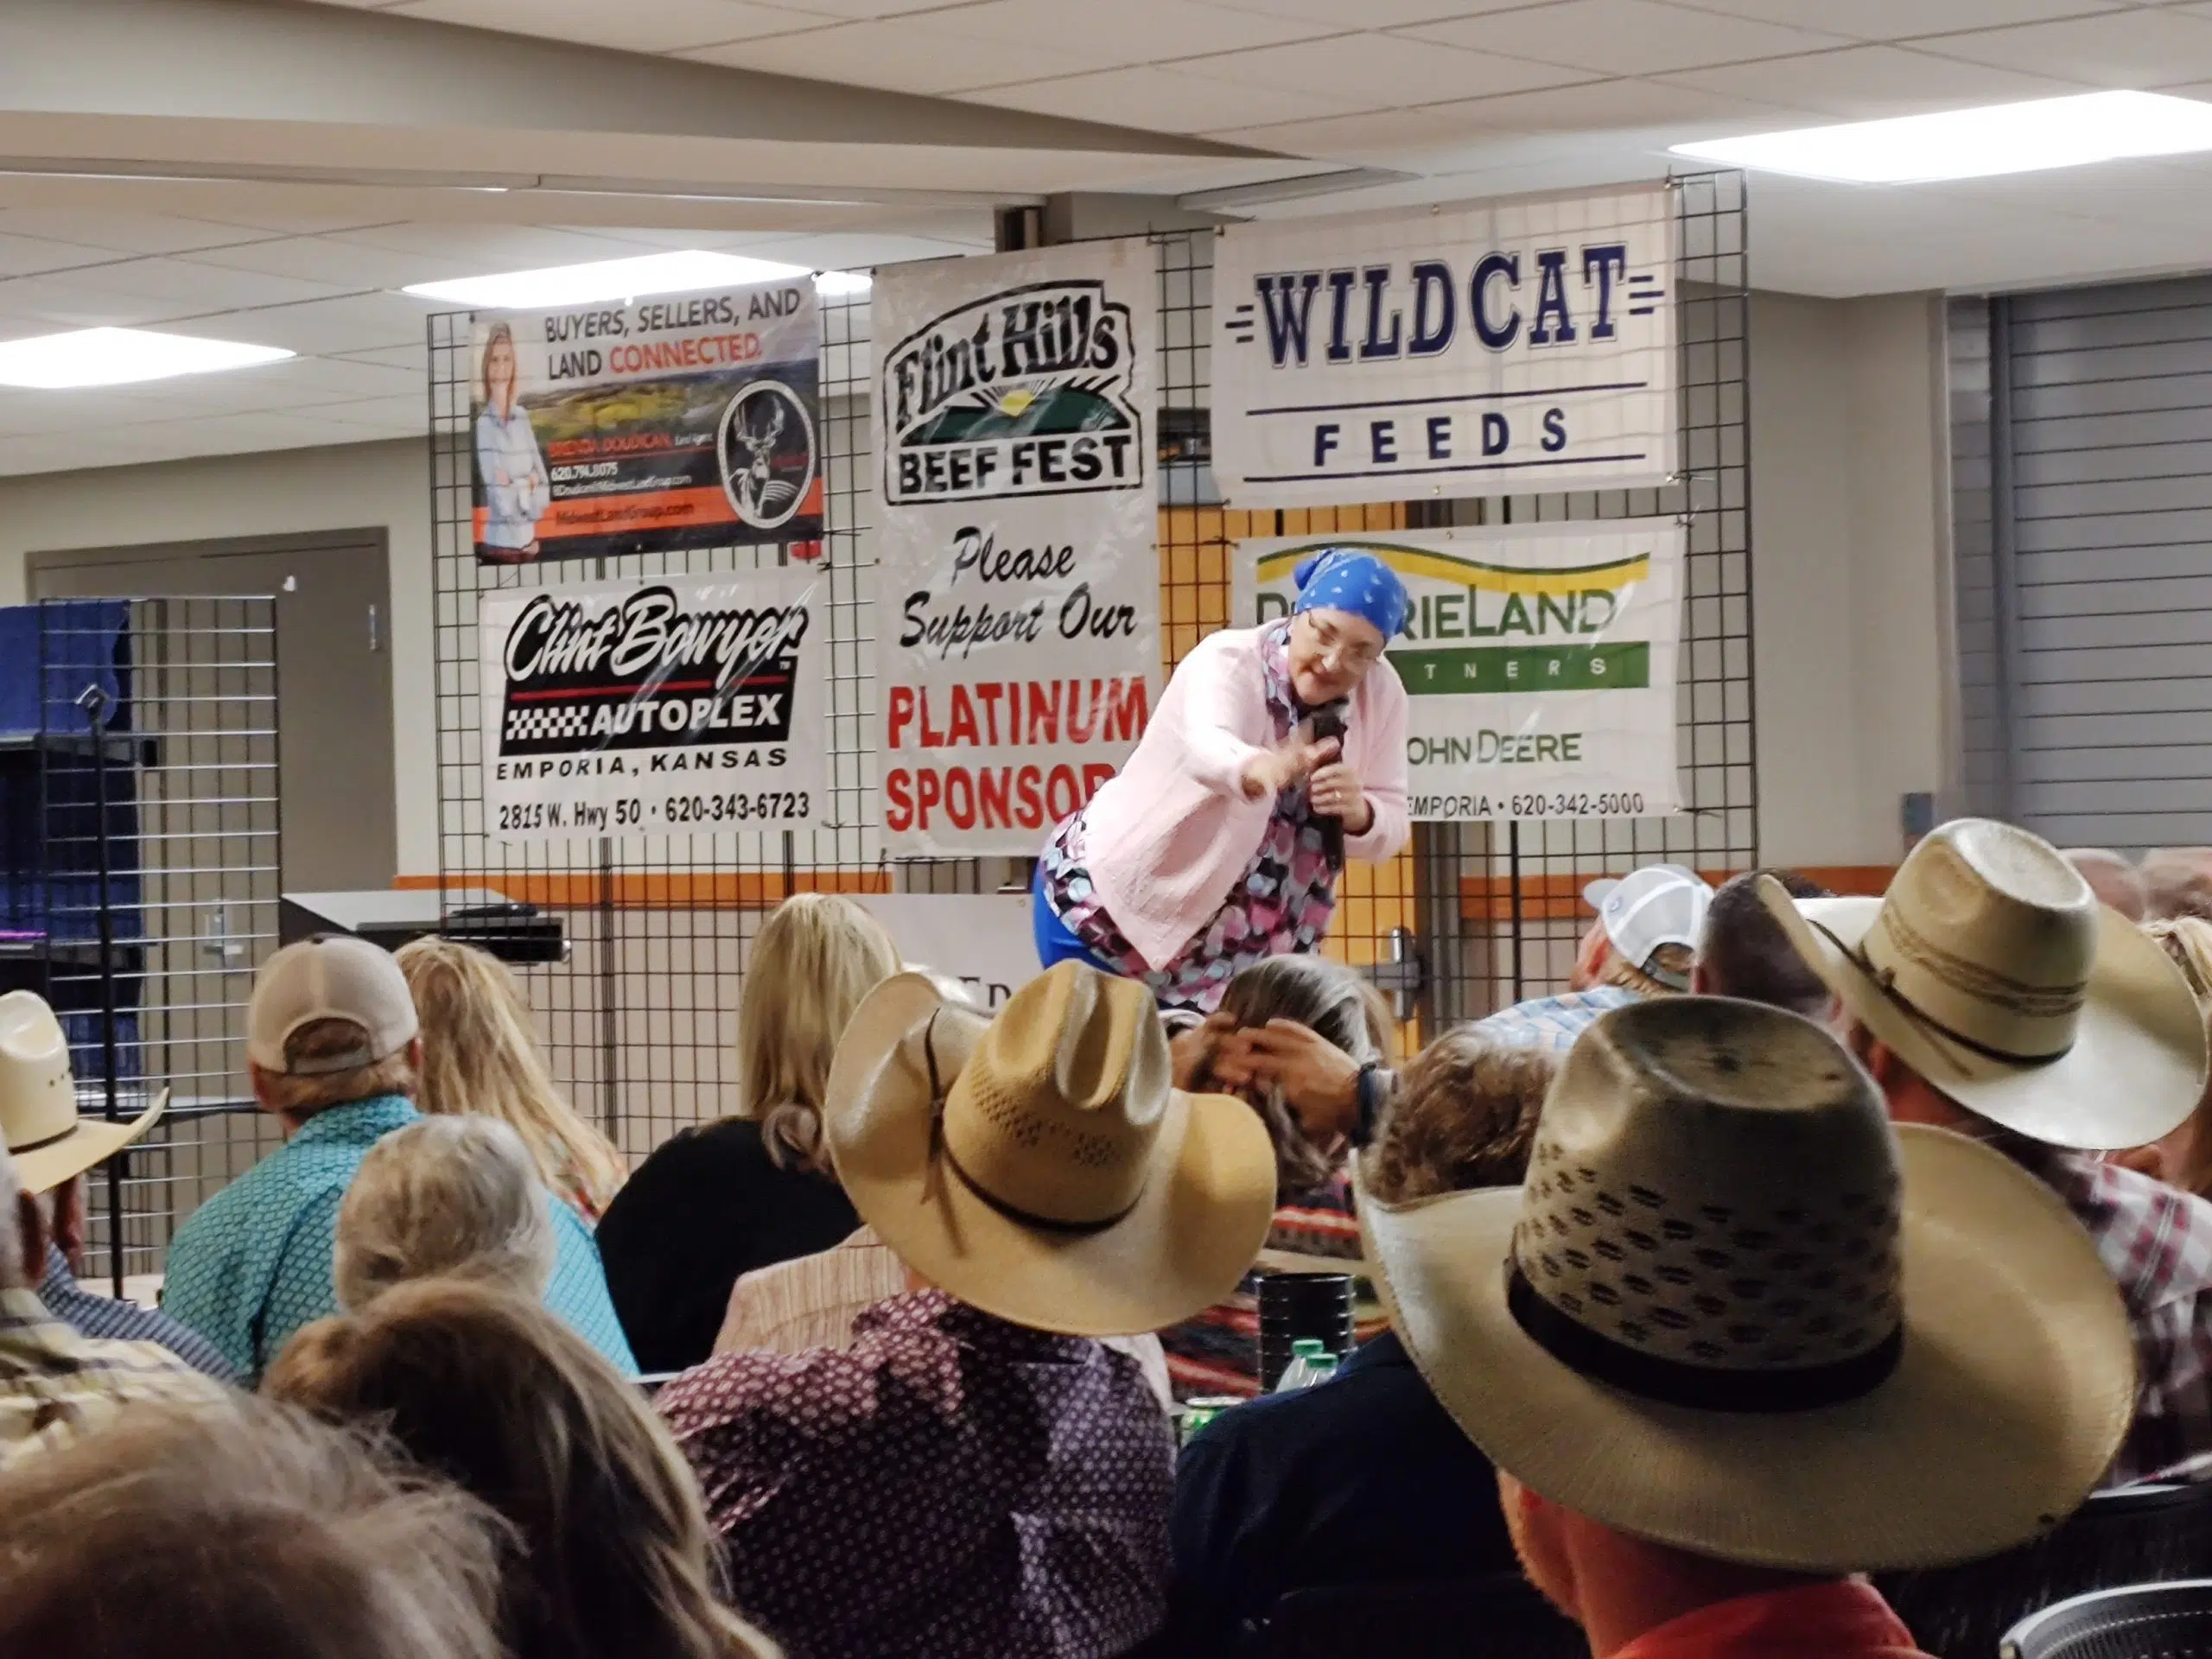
(2101, 463)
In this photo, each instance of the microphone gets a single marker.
(1329, 722)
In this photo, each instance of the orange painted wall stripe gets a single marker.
(1559, 898)
(657, 889)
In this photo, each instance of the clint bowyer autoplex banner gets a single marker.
(1017, 621)
(1539, 663)
(675, 705)
(1485, 349)
(690, 420)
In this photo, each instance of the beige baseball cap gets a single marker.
(330, 976)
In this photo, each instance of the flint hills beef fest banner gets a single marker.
(687, 420)
(677, 705)
(1539, 663)
(1017, 616)
(1489, 349)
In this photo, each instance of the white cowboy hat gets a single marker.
(49, 1141)
(1040, 1166)
(1734, 1311)
(1991, 970)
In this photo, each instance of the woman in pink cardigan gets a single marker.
(1212, 850)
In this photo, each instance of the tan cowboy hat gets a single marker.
(1040, 1166)
(49, 1142)
(1990, 969)
(1734, 1311)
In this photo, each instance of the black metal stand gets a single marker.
(96, 704)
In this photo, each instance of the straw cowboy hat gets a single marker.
(1040, 1166)
(49, 1142)
(1990, 969)
(1734, 1311)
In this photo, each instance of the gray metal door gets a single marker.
(2101, 474)
(334, 677)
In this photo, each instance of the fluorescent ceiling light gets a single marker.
(614, 279)
(2047, 132)
(117, 357)
(837, 283)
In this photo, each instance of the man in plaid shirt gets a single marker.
(1989, 994)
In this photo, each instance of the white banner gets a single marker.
(1539, 663)
(668, 705)
(1483, 349)
(985, 940)
(1018, 621)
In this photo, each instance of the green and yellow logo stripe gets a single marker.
(1468, 573)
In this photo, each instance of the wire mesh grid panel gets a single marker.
(162, 848)
(1503, 902)
(639, 1022)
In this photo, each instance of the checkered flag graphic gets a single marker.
(541, 723)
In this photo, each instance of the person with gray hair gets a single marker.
(453, 1198)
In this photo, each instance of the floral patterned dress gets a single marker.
(1280, 907)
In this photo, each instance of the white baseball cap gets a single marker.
(330, 976)
(1658, 905)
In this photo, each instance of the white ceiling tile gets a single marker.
(186, 285)
(1625, 37)
(1370, 137)
(466, 249)
(1160, 30)
(350, 266)
(1383, 71)
(28, 256)
(122, 232)
(1897, 20)
(1166, 100)
(1867, 82)
(411, 356)
(856, 250)
(398, 416)
(33, 305)
(865, 9)
(1373, 14)
(359, 322)
(661, 26)
(922, 54)
(2138, 49)
(1615, 106)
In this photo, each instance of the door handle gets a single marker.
(376, 642)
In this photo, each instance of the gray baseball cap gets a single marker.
(330, 976)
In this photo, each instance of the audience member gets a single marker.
(1364, 1479)
(2112, 876)
(480, 1055)
(1743, 953)
(717, 1201)
(2178, 881)
(1990, 993)
(2183, 1158)
(1644, 944)
(1297, 1037)
(53, 1147)
(249, 1533)
(1045, 1184)
(612, 1556)
(55, 1382)
(1735, 1342)
(333, 1054)
(452, 1198)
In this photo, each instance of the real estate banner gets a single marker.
(688, 420)
(1018, 612)
(1538, 663)
(677, 705)
(1485, 349)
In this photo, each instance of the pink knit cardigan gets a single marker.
(1169, 836)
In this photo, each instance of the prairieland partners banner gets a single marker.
(1485, 349)
(688, 420)
(678, 705)
(1539, 663)
(1017, 616)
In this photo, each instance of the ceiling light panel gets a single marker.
(2029, 137)
(674, 272)
(117, 357)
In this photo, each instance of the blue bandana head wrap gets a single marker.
(1342, 578)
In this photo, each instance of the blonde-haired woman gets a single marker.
(756, 1189)
(479, 1054)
